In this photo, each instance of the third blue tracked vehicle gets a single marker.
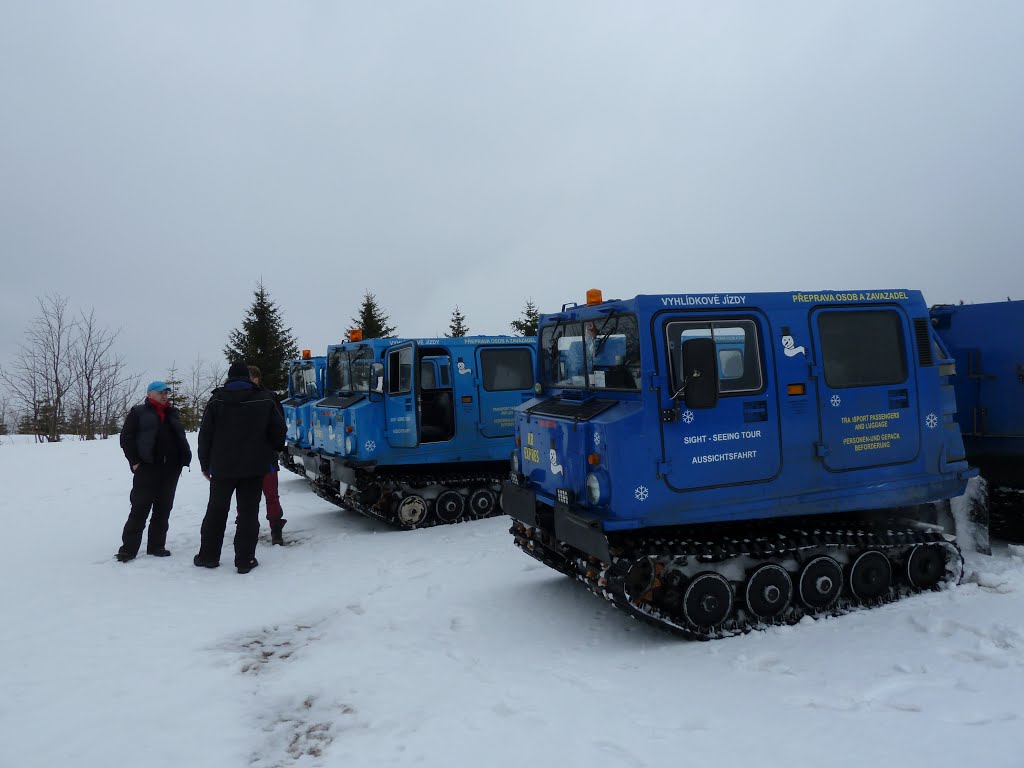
(713, 463)
(417, 432)
(305, 387)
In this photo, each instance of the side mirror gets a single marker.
(700, 373)
(376, 381)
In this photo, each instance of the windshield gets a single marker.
(303, 380)
(349, 371)
(602, 353)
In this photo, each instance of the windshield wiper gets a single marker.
(604, 339)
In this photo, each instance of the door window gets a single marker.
(400, 371)
(736, 347)
(862, 349)
(506, 369)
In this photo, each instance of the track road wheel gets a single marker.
(371, 494)
(870, 575)
(707, 601)
(639, 581)
(926, 565)
(821, 581)
(769, 591)
(481, 502)
(412, 510)
(449, 506)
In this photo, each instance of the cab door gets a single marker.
(867, 393)
(401, 406)
(738, 440)
(505, 380)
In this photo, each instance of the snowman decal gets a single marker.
(556, 468)
(790, 348)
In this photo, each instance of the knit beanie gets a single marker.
(238, 371)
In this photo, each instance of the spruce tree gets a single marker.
(527, 324)
(263, 341)
(372, 320)
(177, 398)
(458, 328)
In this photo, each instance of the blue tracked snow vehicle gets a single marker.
(987, 344)
(713, 463)
(305, 387)
(417, 432)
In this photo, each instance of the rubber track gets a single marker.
(1006, 511)
(607, 580)
(452, 481)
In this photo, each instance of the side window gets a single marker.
(737, 348)
(506, 369)
(400, 371)
(862, 348)
(428, 380)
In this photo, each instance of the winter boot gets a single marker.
(246, 567)
(276, 534)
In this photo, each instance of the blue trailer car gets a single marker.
(987, 343)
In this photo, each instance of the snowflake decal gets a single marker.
(687, 417)
(836, 401)
(597, 438)
(932, 421)
(370, 446)
(641, 493)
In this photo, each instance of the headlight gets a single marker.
(350, 444)
(515, 462)
(597, 488)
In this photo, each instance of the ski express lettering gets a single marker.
(871, 431)
(720, 438)
(530, 453)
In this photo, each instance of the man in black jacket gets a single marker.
(242, 431)
(153, 441)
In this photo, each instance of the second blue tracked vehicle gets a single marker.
(417, 432)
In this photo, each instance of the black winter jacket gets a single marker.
(242, 431)
(145, 440)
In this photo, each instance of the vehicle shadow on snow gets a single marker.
(569, 609)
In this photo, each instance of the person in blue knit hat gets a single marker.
(153, 441)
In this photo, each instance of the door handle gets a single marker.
(756, 410)
(899, 398)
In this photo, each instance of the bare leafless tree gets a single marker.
(118, 395)
(96, 369)
(194, 391)
(5, 414)
(40, 377)
(52, 338)
(67, 374)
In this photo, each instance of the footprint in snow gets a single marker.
(273, 644)
(302, 732)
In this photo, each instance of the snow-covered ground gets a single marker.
(360, 646)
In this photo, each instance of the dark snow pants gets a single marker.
(247, 492)
(273, 496)
(152, 489)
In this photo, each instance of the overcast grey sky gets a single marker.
(157, 159)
